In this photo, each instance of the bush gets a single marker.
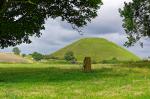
(69, 56)
(37, 56)
(16, 51)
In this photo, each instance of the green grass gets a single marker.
(54, 61)
(98, 49)
(45, 81)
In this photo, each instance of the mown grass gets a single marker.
(52, 81)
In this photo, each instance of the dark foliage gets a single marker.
(136, 20)
(16, 51)
(20, 19)
(69, 56)
(37, 56)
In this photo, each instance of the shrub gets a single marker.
(16, 51)
(69, 56)
(37, 56)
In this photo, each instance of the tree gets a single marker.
(20, 19)
(16, 51)
(136, 20)
(69, 56)
(37, 56)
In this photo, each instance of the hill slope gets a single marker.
(10, 57)
(97, 48)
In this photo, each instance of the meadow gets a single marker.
(67, 81)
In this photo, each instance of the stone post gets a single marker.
(87, 64)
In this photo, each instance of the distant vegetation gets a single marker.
(98, 49)
(37, 56)
(69, 56)
(16, 51)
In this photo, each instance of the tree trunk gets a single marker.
(87, 64)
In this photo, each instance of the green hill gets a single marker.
(98, 49)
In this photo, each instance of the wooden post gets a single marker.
(87, 64)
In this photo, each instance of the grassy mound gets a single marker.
(98, 49)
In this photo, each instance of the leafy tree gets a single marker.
(136, 20)
(37, 56)
(16, 51)
(20, 19)
(69, 56)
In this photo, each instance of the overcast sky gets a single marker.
(108, 25)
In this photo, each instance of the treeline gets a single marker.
(69, 57)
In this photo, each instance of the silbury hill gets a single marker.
(98, 49)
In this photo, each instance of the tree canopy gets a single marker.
(37, 56)
(16, 51)
(136, 20)
(69, 56)
(20, 19)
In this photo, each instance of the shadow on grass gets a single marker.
(18, 75)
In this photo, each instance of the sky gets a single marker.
(108, 24)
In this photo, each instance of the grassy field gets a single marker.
(12, 58)
(52, 81)
(98, 49)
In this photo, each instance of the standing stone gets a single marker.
(87, 64)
